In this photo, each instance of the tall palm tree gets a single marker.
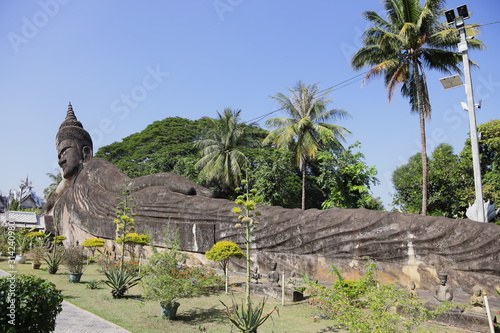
(305, 130)
(222, 160)
(400, 47)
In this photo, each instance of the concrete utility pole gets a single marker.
(471, 109)
(458, 21)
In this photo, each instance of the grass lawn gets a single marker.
(201, 314)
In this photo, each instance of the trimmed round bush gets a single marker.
(222, 251)
(28, 304)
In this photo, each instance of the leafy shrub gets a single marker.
(222, 251)
(367, 306)
(74, 259)
(37, 303)
(166, 280)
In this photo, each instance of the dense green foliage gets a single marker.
(274, 171)
(157, 148)
(451, 177)
(277, 178)
(489, 148)
(34, 304)
(347, 179)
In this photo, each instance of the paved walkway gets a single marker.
(74, 319)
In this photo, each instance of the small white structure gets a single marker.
(489, 212)
(22, 220)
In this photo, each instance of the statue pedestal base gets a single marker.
(471, 319)
(275, 292)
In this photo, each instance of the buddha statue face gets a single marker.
(74, 145)
(71, 157)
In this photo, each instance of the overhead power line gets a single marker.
(335, 87)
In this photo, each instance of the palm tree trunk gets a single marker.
(303, 162)
(421, 112)
(424, 163)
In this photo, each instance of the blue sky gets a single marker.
(125, 64)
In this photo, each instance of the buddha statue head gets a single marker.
(74, 145)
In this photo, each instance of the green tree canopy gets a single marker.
(448, 184)
(346, 178)
(489, 148)
(157, 148)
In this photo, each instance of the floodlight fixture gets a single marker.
(463, 12)
(451, 81)
(450, 16)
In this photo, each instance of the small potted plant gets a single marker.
(37, 253)
(22, 245)
(53, 260)
(75, 260)
(165, 279)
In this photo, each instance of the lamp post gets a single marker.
(458, 21)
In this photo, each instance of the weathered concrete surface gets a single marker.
(408, 246)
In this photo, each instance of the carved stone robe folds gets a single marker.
(409, 247)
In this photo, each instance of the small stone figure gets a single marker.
(292, 280)
(255, 275)
(477, 300)
(273, 276)
(412, 289)
(443, 293)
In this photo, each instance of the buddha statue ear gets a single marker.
(86, 153)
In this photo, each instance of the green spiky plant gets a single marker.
(247, 318)
(124, 220)
(120, 281)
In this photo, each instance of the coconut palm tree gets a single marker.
(305, 130)
(400, 47)
(222, 160)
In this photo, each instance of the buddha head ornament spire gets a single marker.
(74, 144)
(71, 128)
